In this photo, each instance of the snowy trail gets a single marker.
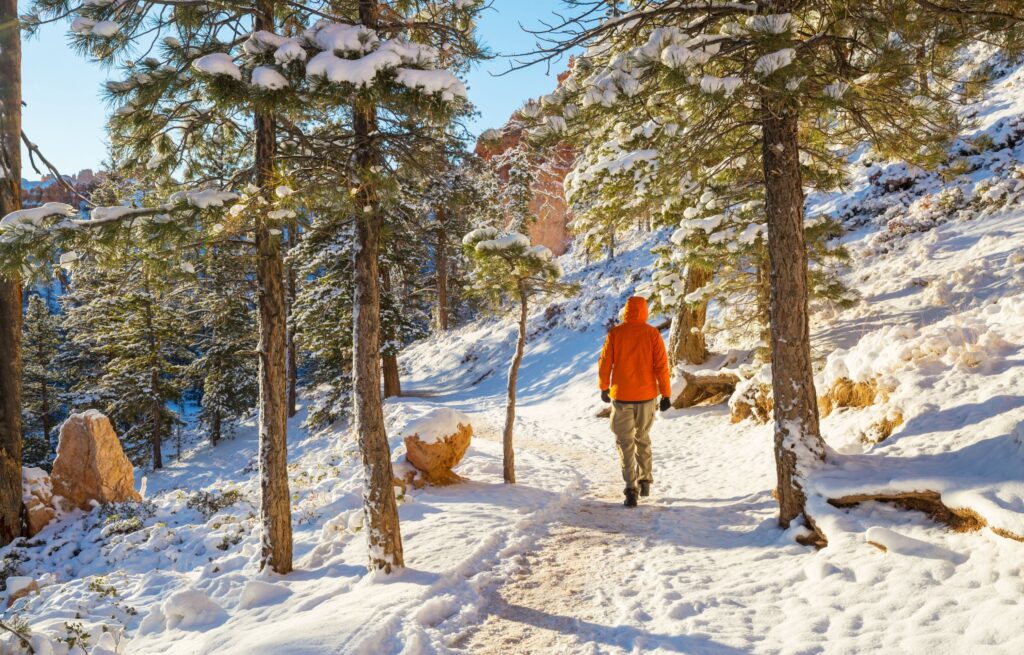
(702, 566)
(599, 573)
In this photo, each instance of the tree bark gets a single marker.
(10, 287)
(293, 360)
(508, 454)
(392, 378)
(764, 289)
(441, 270)
(686, 339)
(382, 530)
(275, 501)
(799, 447)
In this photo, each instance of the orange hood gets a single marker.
(636, 310)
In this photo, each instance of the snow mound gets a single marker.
(435, 425)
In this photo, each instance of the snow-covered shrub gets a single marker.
(209, 503)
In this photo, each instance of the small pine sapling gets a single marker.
(508, 270)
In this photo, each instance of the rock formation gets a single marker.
(436, 443)
(548, 204)
(90, 464)
(37, 495)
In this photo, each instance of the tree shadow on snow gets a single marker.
(961, 416)
(747, 523)
(622, 636)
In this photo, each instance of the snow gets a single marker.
(441, 82)
(35, 217)
(82, 25)
(258, 593)
(17, 583)
(105, 29)
(111, 213)
(206, 198)
(770, 23)
(435, 425)
(345, 38)
(191, 609)
(768, 64)
(267, 77)
(510, 241)
(218, 63)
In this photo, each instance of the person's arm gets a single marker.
(661, 365)
(604, 365)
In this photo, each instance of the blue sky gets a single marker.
(65, 115)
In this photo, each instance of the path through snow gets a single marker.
(702, 567)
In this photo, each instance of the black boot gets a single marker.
(630, 498)
(645, 488)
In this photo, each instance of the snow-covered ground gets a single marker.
(555, 564)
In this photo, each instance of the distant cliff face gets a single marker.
(548, 204)
(49, 189)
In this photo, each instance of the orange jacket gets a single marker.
(634, 365)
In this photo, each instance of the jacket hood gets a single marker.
(636, 310)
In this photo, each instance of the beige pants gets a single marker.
(631, 423)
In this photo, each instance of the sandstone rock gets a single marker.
(90, 464)
(37, 495)
(436, 443)
(19, 587)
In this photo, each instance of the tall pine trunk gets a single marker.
(686, 339)
(275, 501)
(799, 447)
(508, 453)
(383, 534)
(441, 270)
(10, 287)
(392, 377)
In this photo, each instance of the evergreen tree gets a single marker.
(781, 84)
(226, 367)
(40, 382)
(125, 323)
(508, 270)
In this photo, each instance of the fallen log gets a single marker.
(705, 388)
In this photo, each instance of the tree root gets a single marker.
(959, 519)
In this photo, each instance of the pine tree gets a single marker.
(226, 367)
(125, 323)
(40, 382)
(323, 315)
(508, 270)
(780, 83)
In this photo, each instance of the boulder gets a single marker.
(20, 586)
(90, 464)
(435, 444)
(37, 495)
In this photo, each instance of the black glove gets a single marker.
(664, 404)
(605, 396)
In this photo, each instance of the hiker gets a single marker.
(632, 371)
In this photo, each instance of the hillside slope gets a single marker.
(555, 564)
